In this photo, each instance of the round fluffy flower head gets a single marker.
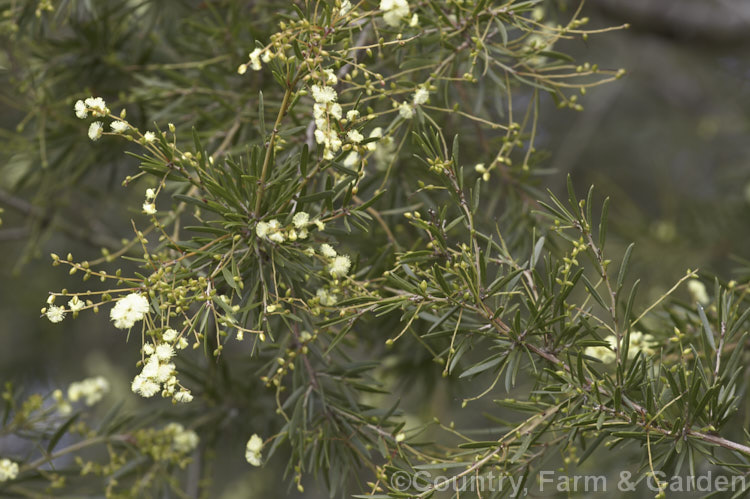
(164, 372)
(183, 441)
(331, 78)
(183, 396)
(164, 351)
(80, 109)
(96, 105)
(144, 386)
(151, 367)
(327, 250)
(149, 208)
(55, 313)
(352, 115)
(421, 96)
(95, 130)
(340, 266)
(301, 219)
(698, 292)
(323, 95)
(119, 126)
(252, 450)
(355, 136)
(320, 136)
(326, 299)
(406, 111)
(129, 310)
(149, 136)
(277, 237)
(332, 144)
(336, 110)
(346, 6)
(255, 59)
(394, 11)
(377, 132)
(261, 230)
(170, 335)
(75, 304)
(352, 159)
(8, 470)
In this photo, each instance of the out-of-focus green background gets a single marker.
(669, 143)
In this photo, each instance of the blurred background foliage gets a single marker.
(668, 143)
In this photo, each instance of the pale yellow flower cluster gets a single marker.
(338, 265)
(8, 470)
(394, 11)
(325, 297)
(183, 440)
(129, 310)
(639, 342)
(406, 110)
(149, 207)
(252, 450)
(98, 108)
(91, 390)
(55, 314)
(273, 231)
(255, 57)
(326, 112)
(94, 105)
(159, 373)
(698, 292)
